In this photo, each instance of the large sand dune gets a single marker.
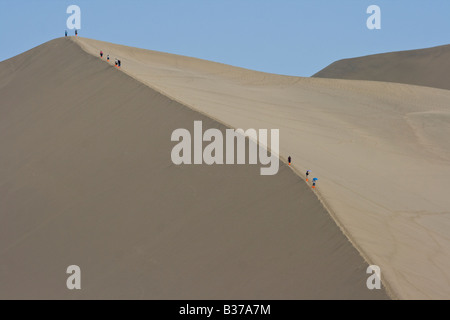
(380, 150)
(424, 67)
(86, 178)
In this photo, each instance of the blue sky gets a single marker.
(294, 37)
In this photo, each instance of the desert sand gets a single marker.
(86, 178)
(424, 67)
(380, 150)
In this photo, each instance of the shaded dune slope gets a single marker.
(86, 178)
(424, 67)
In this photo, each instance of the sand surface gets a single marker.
(86, 178)
(381, 151)
(424, 67)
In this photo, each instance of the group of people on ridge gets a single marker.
(314, 180)
(117, 62)
(76, 33)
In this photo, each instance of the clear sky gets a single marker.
(294, 37)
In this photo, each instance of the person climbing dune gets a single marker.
(289, 160)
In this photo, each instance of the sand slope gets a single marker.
(424, 67)
(380, 150)
(86, 179)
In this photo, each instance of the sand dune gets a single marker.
(86, 179)
(380, 150)
(424, 67)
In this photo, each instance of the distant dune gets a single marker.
(380, 149)
(424, 67)
(86, 178)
